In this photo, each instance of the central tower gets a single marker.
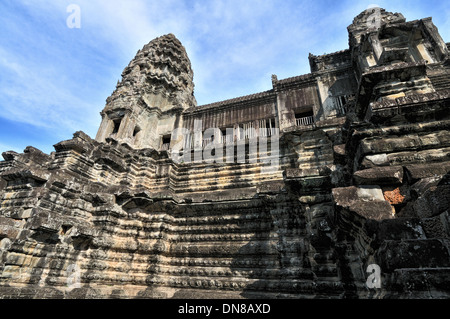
(147, 104)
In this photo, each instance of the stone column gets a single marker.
(150, 135)
(377, 48)
(105, 129)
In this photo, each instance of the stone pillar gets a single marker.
(282, 114)
(105, 129)
(150, 135)
(376, 46)
(124, 128)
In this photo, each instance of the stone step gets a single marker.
(440, 82)
(306, 153)
(321, 146)
(441, 85)
(314, 165)
(315, 141)
(318, 160)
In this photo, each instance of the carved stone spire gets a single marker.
(391, 56)
(162, 66)
(371, 20)
(156, 85)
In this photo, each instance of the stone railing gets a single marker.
(225, 139)
(304, 121)
(267, 132)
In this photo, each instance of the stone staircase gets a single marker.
(311, 180)
(440, 81)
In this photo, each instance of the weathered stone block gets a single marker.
(369, 193)
(419, 171)
(419, 157)
(421, 283)
(388, 145)
(391, 175)
(22, 213)
(339, 149)
(43, 224)
(343, 196)
(433, 202)
(29, 173)
(15, 259)
(375, 160)
(418, 253)
(375, 210)
(320, 211)
(270, 187)
(9, 228)
(367, 202)
(9, 155)
(314, 199)
(315, 182)
(8, 231)
(400, 229)
(424, 184)
(292, 173)
(437, 226)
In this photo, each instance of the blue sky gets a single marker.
(54, 80)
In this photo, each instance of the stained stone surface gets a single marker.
(361, 177)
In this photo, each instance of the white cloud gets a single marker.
(38, 95)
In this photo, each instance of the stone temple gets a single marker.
(332, 184)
